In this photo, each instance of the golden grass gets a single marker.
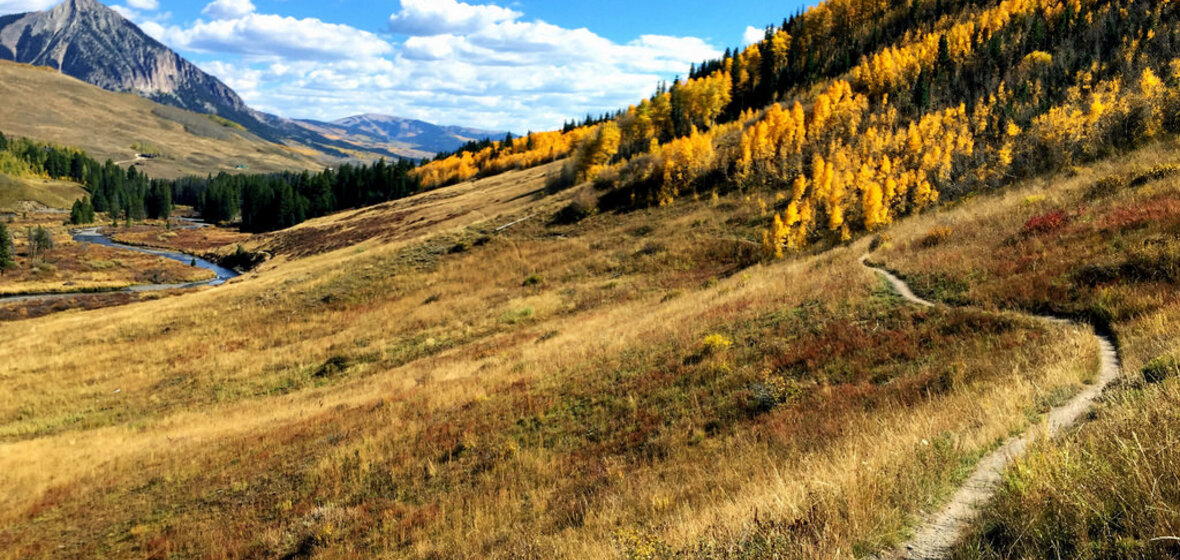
(51, 193)
(391, 384)
(195, 241)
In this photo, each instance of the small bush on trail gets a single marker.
(715, 343)
(1105, 187)
(333, 366)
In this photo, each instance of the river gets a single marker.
(92, 236)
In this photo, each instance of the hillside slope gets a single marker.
(49, 192)
(42, 104)
(551, 388)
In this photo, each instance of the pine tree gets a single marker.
(82, 212)
(6, 258)
(922, 91)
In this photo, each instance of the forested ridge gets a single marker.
(264, 202)
(856, 112)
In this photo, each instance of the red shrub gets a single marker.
(1046, 223)
(1141, 214)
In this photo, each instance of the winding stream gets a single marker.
(91, 235)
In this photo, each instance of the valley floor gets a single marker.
(417, 380)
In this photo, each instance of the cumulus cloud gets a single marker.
(439, 17)
(476, 65)
(273, 35)
(753, 35)
(228, 9)
(146, 5)
(21, 6)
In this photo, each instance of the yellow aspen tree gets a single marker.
(799, 136)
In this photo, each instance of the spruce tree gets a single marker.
(6, 258)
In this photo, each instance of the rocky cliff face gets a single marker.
(87, 40)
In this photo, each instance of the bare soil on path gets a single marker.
(939, 532)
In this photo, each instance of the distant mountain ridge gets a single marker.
(89, 41)
(420, 135)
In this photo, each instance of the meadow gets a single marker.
(471, 373)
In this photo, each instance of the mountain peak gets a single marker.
(92, 42)
(71, 7)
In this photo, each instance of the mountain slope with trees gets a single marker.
(856, 112)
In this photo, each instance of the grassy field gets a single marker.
(418, 380)
(53, 194)
(1100, 245)
(177, 236)
(44, 105)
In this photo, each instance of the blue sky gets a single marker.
(519, 65)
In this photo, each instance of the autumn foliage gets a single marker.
(959, 102)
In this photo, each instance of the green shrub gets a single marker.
(333, 366)
(1105, 187)
(1161, 368)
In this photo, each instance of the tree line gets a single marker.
(267, 202)
(125, 194)
(263, 202)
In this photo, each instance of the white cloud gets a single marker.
(21, 6)
(147, 5)
(228, 9)
(753, 35)
(439, 17)
(475, 65)
(272, 35)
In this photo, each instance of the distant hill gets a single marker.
(91, 42)
(408, 137)
(49, 106)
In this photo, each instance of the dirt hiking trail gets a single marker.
(934, 537)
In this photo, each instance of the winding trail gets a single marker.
(939, 532)
(92, 236)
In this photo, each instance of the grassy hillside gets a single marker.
(49, 192)
(854, 113)
(1101, 245)
(679, 355)
(45, 105)
(413, 380)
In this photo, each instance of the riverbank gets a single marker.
(86, 264)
